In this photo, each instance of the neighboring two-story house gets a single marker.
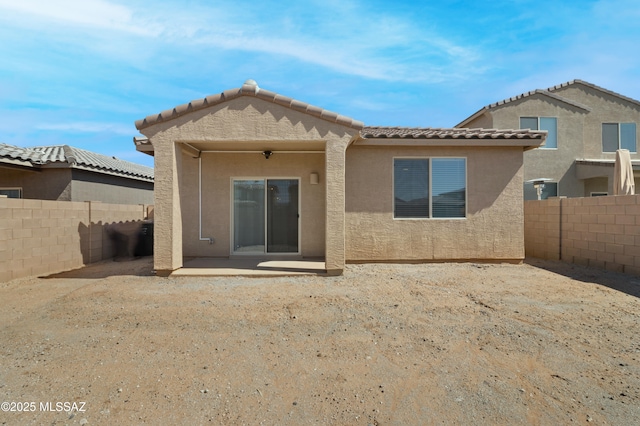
(586, 124)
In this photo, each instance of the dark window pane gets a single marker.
(628, 136)
(529, 123)
(550, 190)
(448, 187)
(282, 215)
(530, 192)
(411, 188)
(11, 193)
(248, 216)
(609, 137)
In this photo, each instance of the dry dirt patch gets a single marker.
(540, 343)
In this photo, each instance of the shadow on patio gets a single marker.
(258, 267)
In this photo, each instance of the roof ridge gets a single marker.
(249, 88)
(593, 86)
(544, 92)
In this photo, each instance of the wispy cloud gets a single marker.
(379, 46)
(347, 38)
(89, 13)
(87, 127)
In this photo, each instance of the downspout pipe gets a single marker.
(201, 238)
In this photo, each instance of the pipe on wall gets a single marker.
(210, 239)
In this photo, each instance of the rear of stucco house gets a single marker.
(249, 172)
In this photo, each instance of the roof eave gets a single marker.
(526, 144)
(144, 145)
(16, 163)
(519, 97)
(247, 90)
(111, 173)
(477, 114)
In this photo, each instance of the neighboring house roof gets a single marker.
(549, 93)
(595, 87)
(67, 156)
(249, 88)
(437, 133)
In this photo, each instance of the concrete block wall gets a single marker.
(603, 232)
(40, 237)
(541, 229)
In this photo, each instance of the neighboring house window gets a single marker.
(550, 124)
(549, 189)
(618, 136)
(11, 192)
(429, 188)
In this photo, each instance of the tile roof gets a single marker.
(249, 88)
(595, 87)
(539, 92)
(550, 93)
(41, 156)
(456, 133)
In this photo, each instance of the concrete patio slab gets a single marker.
(252, 267)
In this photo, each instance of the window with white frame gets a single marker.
(618, 136)
(550, 124)
(429, 188)
(11, 192)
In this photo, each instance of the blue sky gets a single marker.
(80, 72)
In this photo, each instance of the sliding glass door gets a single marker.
(265, 216)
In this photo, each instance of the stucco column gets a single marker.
(335, 223)
(167, 243)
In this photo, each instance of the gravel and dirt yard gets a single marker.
(538, 343)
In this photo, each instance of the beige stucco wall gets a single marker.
(483, 121)
(492, 230)
(50, 184)
(598, 184)
(64, 184)
(90, 186)
(217, 171)
(245, 123)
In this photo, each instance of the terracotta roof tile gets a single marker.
(249, 88)
(455, 133)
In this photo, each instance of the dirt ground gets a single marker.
(538, 343)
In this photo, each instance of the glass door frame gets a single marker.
(265, 252)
